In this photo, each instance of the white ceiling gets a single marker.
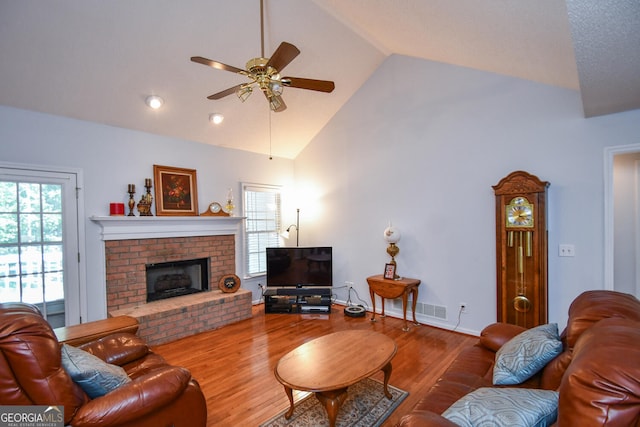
(97, 60)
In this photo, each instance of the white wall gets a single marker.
(421, 144)
(111, 158)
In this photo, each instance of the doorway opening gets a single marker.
(622, 218)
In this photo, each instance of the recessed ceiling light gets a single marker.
(216, 118)
(154, 101)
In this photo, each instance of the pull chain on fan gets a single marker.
(270, 136)
(265, 74)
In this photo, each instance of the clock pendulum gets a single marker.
(521, 304)
(521, 249)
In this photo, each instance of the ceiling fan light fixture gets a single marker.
(154, 101)
(216, 118)
(276, 87)
(274, 103)
(264, 73)
(244, 93)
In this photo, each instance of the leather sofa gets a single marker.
(597, 374)
(31, 373)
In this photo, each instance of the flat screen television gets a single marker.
(299, 267)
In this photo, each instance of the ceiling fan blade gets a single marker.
(276, 103)
(284, 54)
(226, 92)
(217, 65)
(311, 84)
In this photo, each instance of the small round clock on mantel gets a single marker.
(229, 283)
(214, 209)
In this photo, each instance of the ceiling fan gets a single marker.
(264, 73)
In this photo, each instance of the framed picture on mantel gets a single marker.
(176, 191)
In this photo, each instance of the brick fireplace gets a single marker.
(126, 261)
(132, 243)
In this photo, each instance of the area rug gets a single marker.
(365, 406)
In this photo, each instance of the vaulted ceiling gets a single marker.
(98, 60)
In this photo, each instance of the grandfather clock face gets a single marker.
(521, 249)
(519, 213)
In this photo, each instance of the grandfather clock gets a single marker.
(521, 249)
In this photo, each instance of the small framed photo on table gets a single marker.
(390, 271)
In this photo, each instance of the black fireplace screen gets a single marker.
(177, 278)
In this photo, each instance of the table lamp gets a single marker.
(392, 236)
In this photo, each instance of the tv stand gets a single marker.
(297, 300)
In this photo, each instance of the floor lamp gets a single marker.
(297, 226)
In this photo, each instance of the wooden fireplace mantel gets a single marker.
(152, 227)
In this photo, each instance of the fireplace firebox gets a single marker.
(177, 278)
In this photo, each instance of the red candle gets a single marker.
(116, 209)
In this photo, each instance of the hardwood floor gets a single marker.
(234, 364)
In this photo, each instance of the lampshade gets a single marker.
(275, 102)
(391, 234)
(276, 87)
(244, 93)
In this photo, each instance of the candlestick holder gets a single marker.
(144, 205)
(132, 202)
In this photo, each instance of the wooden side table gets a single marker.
(386, 288)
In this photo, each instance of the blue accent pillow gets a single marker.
(505, 407)
(95, 376)
(525, 354)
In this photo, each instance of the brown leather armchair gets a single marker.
(31, 373)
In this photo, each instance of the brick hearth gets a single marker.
(167, 320)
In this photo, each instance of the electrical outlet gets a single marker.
(566, 250)
(463, 307)
(348, 284)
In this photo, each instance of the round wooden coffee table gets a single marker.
(328, 365)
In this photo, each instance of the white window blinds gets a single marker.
(262, 210)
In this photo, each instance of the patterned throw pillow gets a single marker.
(95, 376)
(505, 407)
(525, 354)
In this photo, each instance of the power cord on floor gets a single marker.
(459, 317)
(334, 297)
(349, 303)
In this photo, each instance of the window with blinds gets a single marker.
(262, 211)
